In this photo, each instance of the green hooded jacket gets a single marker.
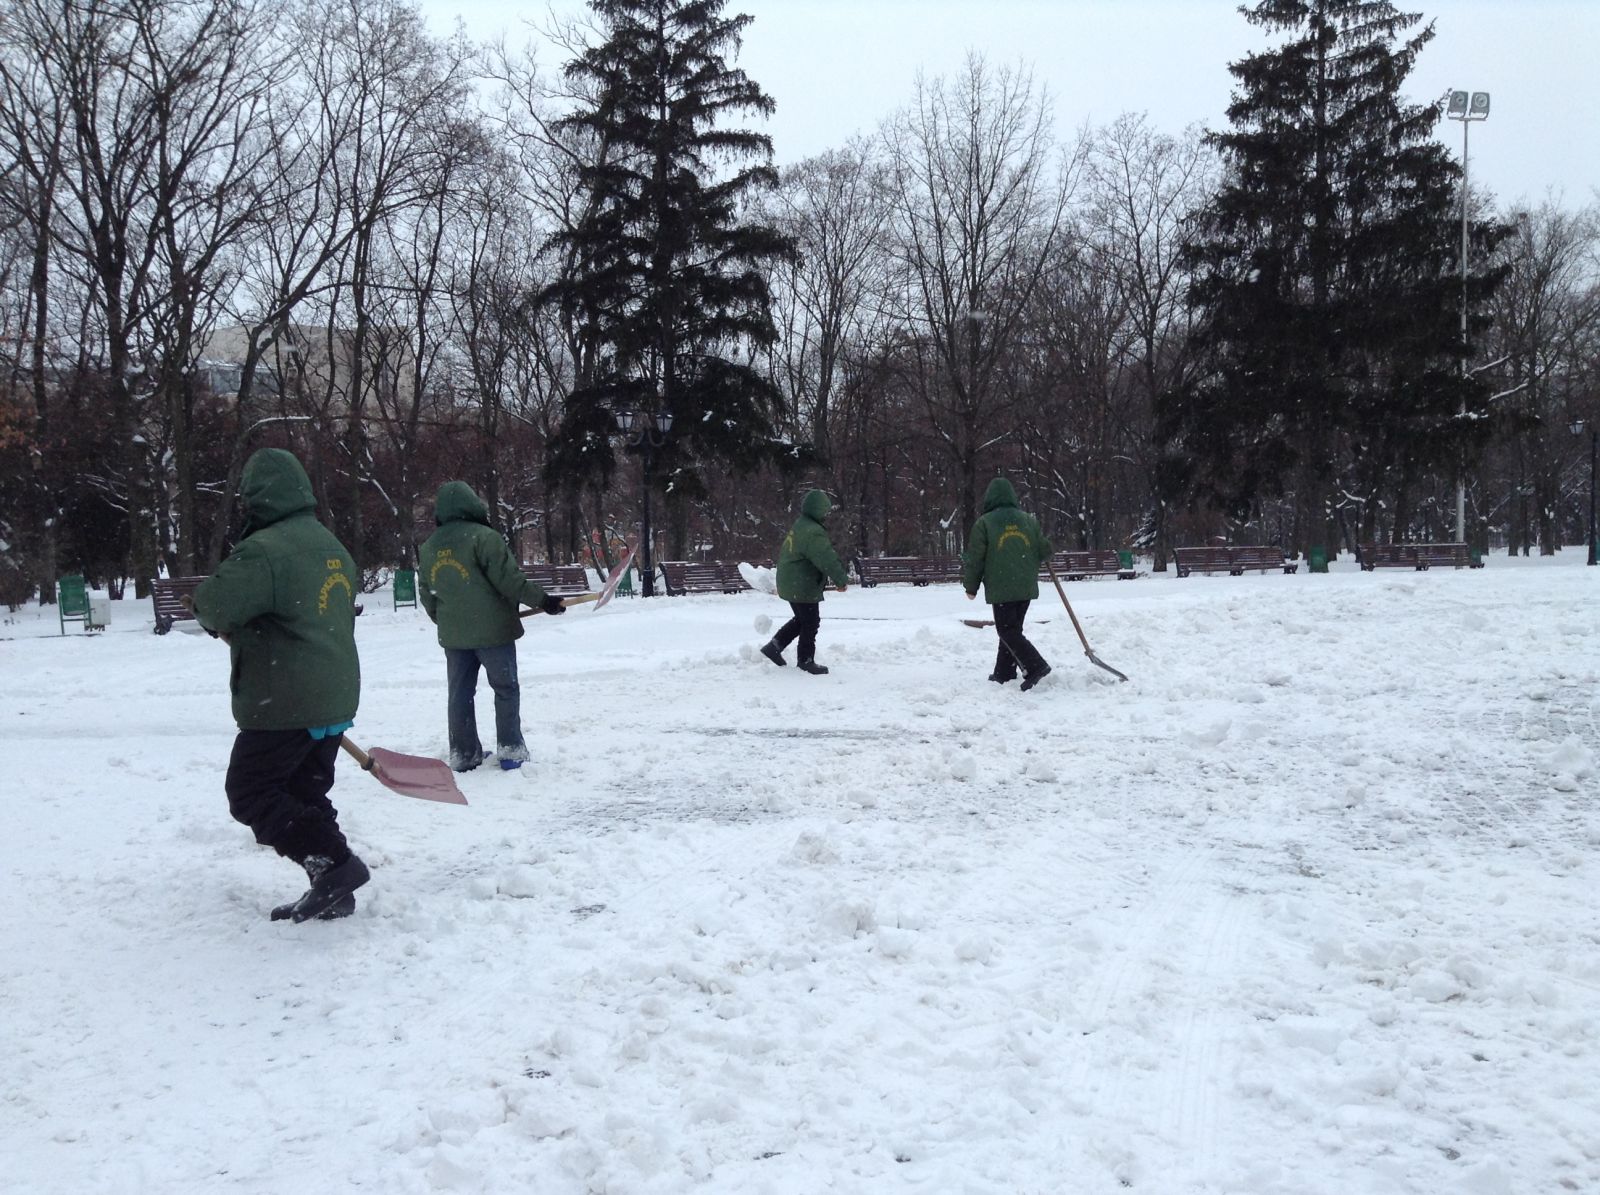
(807, 556)
(285, 600)
(1004, 550)
(469, 582)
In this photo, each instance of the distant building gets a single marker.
(303, 368)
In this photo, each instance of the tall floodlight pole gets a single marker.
(1465, 107)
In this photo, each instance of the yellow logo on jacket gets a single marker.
(447, 559)
(328, 586)
(1011, 532)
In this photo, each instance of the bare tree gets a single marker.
(1143, 188)
(31, 129)
(833, 206)
(363, 134)
(978, 200)
(1546, 323)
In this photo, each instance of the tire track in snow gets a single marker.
(1192, 1110)
(1147, 932)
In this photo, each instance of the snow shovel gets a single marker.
(1087, 650)
(409, 775)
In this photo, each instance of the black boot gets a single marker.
(339, 908)
(773, 652)
(814, 668)
(998, 679)
(1034, 677)
(330, 883)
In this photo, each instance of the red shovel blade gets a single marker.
(614, 580)
(416, 776)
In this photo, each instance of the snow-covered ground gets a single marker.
(1308, 906)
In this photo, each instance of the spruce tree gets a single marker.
(667, 288)
(1327, 279)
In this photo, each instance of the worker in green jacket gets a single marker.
(805, 560)
(284, 599)
(471, 586)
(1004, 552)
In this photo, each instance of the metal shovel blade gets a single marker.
(1098, 662)
(409, 775)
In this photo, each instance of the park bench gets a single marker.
(1263, 557)
(1387, 556)
(171, 597)
(914, 570)
(563, 580)
(1078, 566)
(1205, 560)
(702, 576)
(1448, 555)
(1420, 557)
(1232, 560)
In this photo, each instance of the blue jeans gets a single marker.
(500, 666)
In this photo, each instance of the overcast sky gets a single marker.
(838, 67)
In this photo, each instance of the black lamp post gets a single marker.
(1594, 469)
(645, 431)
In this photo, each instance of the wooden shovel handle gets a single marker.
(360, 756)
(575, 600)
(1075, 624)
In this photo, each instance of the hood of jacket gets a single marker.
(998, 494)
(816, 505)
(457, 503)
(274, 486)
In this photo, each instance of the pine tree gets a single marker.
(667, 288)
(1327, 279)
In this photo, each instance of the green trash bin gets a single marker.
(1124, 559)
(405, 588)
(72, 601)
(1316, 559)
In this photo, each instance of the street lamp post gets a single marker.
(645, 431)
(1465, 107)
(1594, 475)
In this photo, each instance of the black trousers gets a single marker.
(278, 782)
(807, 618)
(1014, 646)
